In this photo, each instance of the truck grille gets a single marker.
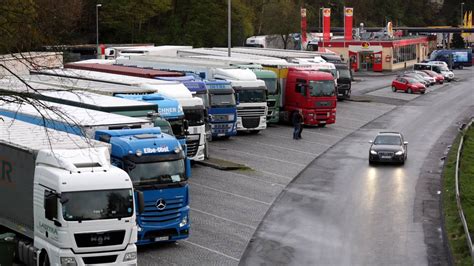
(100, 259)
(385, 153)
(318, 104)
(171, 212)
(108, 238)
(251, 111)
(250, 122)
(192, 142)
(222, 128)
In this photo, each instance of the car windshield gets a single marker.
(271, 84)
(221, 100)
(387, 140)
(157, 173)
(97, 204)
(443, 68)
(177, 125)
(411, 80)
(322, 88)
(252, 95)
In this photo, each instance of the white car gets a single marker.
(438, 63)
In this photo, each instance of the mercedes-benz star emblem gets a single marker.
(161, 204)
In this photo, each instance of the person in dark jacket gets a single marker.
(298, 124)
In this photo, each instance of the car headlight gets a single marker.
(184, 221)
(373, 152)
(399, 153)
(68, 261)
(130, 256)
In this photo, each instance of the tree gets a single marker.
(458, 41)
(281, 17)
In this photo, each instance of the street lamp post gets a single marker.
(97, 27)
(229, 13)
(462, 11)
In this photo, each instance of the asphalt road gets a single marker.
(341, 211)
(227, 207)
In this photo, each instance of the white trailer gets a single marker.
(63, 199)
(193, 107)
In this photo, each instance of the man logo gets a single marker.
(160, 204)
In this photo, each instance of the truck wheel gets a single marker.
(461, 66)
(394, 89)
(45, 260)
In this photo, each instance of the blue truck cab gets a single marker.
(219, 100)
(156, 163)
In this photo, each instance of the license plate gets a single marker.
(386, 157)
(220, 135)
(162, 238)
(322, 122)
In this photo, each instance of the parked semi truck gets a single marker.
(71, 207)
(195, 84)
(218, 98)
(193, 107)
(171, 115)
(250, 92)
(319, 98)
(155, 162)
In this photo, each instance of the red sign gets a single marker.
(348, 16)
(303, 26)
(326, 24)
(365, 45)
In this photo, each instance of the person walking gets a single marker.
(301, 124)
(297, 124)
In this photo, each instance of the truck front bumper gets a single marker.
(103, 258)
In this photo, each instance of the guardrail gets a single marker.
(458, 195)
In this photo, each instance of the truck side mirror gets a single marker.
(185, 125)
(140, 201)
(51, 206)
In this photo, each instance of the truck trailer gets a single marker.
(70, 205)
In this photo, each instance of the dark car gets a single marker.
(388, 147)
(408, 85)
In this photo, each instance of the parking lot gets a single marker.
(228, 206)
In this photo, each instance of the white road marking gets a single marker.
(230, 193)
(209, 249)
(225, 219)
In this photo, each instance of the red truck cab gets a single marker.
(314, 92)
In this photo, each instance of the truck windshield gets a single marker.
(322, 88)
(344, 73)
(97, 204)
(271, 85)
(252, 95)
(157, 173)
(222, 100)
(204, 97)
(177, 125)
(195, 117)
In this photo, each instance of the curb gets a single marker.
(222, 164)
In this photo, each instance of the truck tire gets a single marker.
(45, 259)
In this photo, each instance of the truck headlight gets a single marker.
(399, 153)
(373, 152)
(68, 261)
(130, 256)
(184, 221)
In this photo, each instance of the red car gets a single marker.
(408, 85)
(439, 78)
